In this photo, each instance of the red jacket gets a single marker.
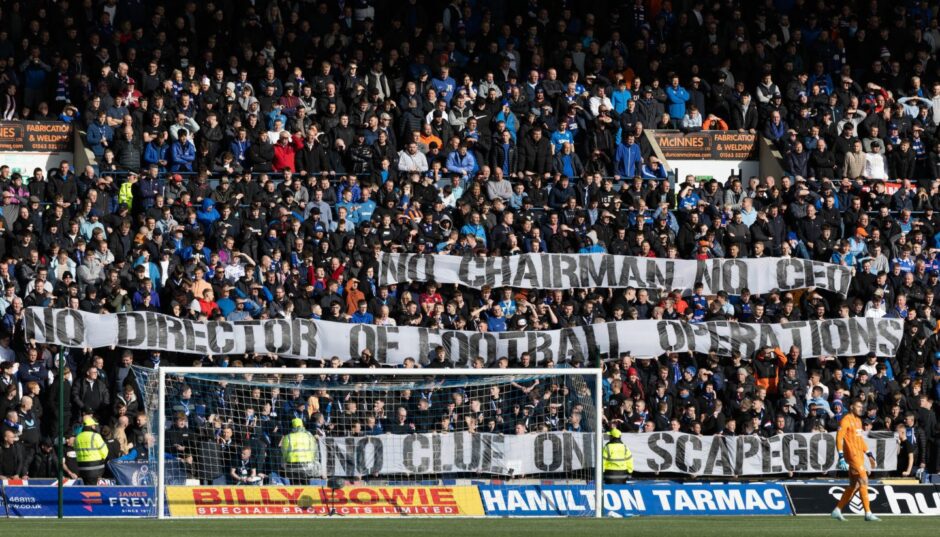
(208, 307)
(284, 154)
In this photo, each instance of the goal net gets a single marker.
(370, 442)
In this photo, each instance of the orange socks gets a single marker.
(863, 492)
(847, 497)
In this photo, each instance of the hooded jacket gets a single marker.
(207, 214)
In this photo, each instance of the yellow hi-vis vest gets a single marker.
(617, 457)
(299, 447)
(90, 450)
(126, 194)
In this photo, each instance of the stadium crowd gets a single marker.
(253, 157)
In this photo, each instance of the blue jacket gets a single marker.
(690, 202)
(275, 115)
(95, 134)
(648, 173)
(239, 150)
(147, 190)
(182, 156)
(559, 138)
(444, 88)
(474, 229)
(512, 124)
(558, 196)
(593, 249)
(226, 306)
(36, 372)
(189, 252)
(153, 272)
(352, 214)
(366, 210)
(619, 99)
(462, 164)
(677, 99)
(35, 75)
(154, 153)
(141, 294)
(628, 161)
(207, 214)
(361, 318)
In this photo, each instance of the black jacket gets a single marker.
(12, 460)
(822, 164)
(261, 156)
(498, 155)
(535, 157)
(68, 187)
(558, 164)
(94, 397)
(901, 164)
(741, 120)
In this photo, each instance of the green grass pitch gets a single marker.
(633, 527)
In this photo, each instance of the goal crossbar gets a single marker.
(596, 373)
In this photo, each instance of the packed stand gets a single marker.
(253, 159)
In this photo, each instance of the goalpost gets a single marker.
(388, 442)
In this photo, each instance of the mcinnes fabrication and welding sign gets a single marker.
(707, 145)
(35, 136)
(710, 154)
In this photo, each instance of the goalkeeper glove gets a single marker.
(842, 465)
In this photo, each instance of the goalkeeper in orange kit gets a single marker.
(852, 453)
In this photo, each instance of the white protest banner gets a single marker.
(313, 339)
(568, 271)
(435, 453)
(732, 456)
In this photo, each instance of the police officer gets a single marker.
(91, 452)
(618, 461)
(299, 453)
